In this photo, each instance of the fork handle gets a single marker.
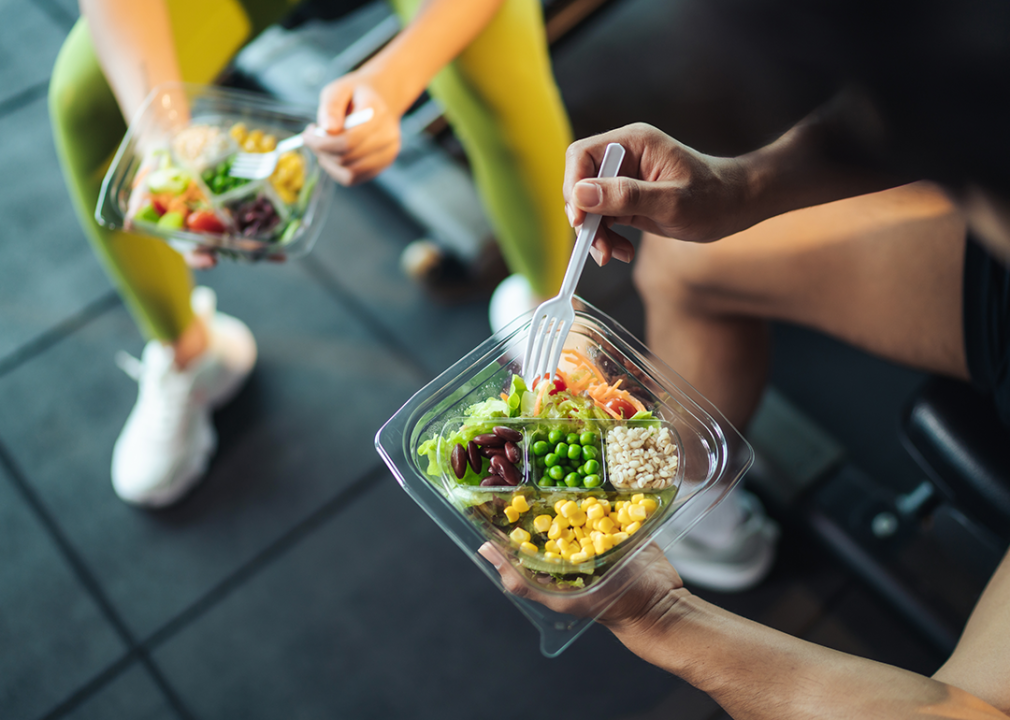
(613, 156)
(292, 143)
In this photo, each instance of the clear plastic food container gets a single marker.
(486, 478)
(170, 178)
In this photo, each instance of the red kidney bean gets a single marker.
(490, 452)
(491, 481)
(473, 453)
(498, 465)
(511, 452)
(489, 440)
(511, 474)
(458, 459)
(507, 433)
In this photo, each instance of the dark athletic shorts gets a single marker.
(987, 324)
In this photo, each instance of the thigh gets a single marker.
(882, 272)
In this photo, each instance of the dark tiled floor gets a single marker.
(268, 593)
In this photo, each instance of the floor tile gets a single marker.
(299, 432)
(361, 246)
(47, 269)
(133, 695)
(54, 637)
(859, 624)
(29, 41)
(379, 615)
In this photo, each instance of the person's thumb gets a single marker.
(333, 105)
(617, 197)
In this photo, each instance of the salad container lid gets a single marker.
(478, 408)
(185, 135)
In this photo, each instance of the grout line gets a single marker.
(91, 585)
(333, 287)
(53, 335)
(25, 97)
(57, 14)
(282, 545)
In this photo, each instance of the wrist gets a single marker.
(651, 632)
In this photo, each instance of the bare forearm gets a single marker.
(133, 41)
(833, 154)
(441, 30)
(757, 673)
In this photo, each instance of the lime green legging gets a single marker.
(499, 96)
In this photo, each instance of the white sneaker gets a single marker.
(512, 298)
(741, 560)
(168, 439)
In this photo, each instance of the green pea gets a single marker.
(592, 467)
(589, 452)
(555, 436)
(588, 438)
(572, 438)
(551, 460)
(561, 449)
(546, 481)
(591, 481)
(540, 462)
(556, 473)
(574, 452)
(540, 447)
(573, 480)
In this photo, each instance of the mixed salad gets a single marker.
(186, 185)
(562, 472)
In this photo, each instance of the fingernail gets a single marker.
(570, 214)
(588, 194)
(596, 255)
(491, 554)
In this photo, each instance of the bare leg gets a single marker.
(881, 271)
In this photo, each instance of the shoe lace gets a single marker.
(165, 399)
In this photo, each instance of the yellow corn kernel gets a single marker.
(589, 550)
(568, 552)
(633, 528)
(605, 504)
(637, 513)
(238, 132)
(564, 545)
(585, 542)
(577, 533)
(552, 557)
(557, 506)
(578, 518)
(511, 513)
(554, 531)
(268, 143)
(605, 525)
(579, 557)
(602, 544)
(650, 505)
(519, 535)
(588, 503)
(590, 525)
(542, 523)
(595, 512)
(637, 498)
(619, 504)
(569, 509)
(528, 548)
(520, 504)
(622, 515)
(619, 537)
(569, 534)
(562, 522)
(595, 534)
(551, 546)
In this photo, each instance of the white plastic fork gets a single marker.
(555, 317)
(256, 166)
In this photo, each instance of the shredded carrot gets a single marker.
(540, 398)
(505, 397)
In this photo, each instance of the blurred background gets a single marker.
(298, 580)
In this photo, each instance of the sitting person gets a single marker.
(478, 57)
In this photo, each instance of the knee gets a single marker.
(679, 274)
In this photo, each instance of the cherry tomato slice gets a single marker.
(559, 385)
(621, 407)
(204, 221)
